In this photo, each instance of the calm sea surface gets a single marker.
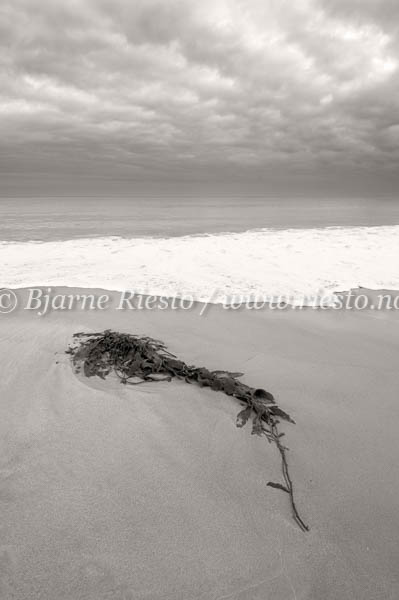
(51, 219)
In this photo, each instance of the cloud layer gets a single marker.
(180, 90)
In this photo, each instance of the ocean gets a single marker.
(213, 249)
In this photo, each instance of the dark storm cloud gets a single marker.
(196, 90)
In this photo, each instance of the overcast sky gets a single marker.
(290, 95)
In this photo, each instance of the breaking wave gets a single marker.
(295, 263)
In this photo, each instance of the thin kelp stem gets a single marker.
(287, 479)
(145, 359)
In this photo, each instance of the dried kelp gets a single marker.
(137, 359)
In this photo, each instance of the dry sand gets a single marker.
(153, 493)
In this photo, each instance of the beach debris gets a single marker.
(137, 359)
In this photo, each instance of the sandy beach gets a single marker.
(109, 492)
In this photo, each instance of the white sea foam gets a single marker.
(292, 263)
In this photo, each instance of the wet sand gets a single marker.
(108, 492)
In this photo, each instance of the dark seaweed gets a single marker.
(137, 359)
